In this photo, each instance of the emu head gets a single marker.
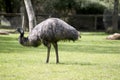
(23, 40)
(21, 31)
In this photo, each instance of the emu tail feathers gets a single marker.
(72, 35)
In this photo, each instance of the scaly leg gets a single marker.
(48, 52)
(56, 50)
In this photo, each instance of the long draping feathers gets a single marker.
(52, 30)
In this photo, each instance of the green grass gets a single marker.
(90, 58)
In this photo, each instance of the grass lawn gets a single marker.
(90, 58)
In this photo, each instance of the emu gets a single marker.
(48, 32)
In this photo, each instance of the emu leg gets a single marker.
(56, 50)
(48, 52)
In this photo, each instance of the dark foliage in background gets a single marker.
(10, 6)
(89, 8)
(59, 7)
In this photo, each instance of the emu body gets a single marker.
(49, 32)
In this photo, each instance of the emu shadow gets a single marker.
(78, 63)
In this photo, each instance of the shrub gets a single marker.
(87, 7)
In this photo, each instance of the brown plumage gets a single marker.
(49, 32)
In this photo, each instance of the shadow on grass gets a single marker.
(77, 63)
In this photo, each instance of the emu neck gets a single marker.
(22, 35)
(23, 40)
(28, 43)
